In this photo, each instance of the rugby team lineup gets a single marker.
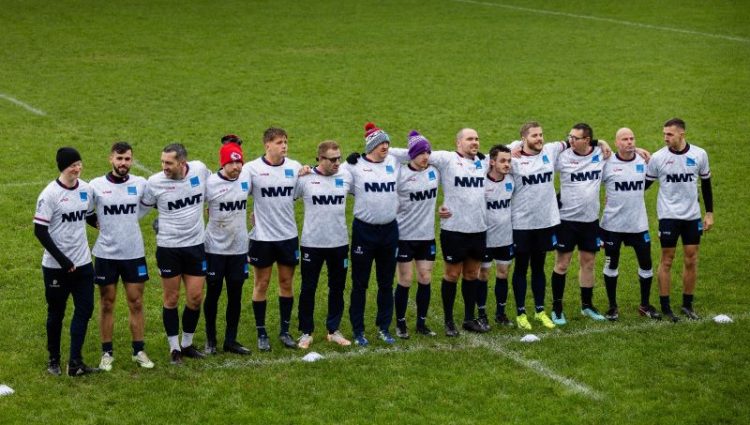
(498, 208)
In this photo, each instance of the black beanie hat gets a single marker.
(66, 156)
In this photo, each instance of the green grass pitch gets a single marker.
(86, 73)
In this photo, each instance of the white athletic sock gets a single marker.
(187, 339)
(174, 342)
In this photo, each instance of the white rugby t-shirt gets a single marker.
(580, 180)
(417, 196)
(273, 199)
(374, 189)
(226, 231)
(678, 174)
(324, 198)
(534, 198)
(624, 206)
(497, 197)
(117, 207)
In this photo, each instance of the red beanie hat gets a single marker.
(230, 152)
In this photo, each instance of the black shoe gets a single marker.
(210, 349)
(401, 330)
(502, 320)
(649, 311)
(263, 343)
(236, 348)
(424, 330)
(473, 326)
(690, 313)
(53, 367)
(484, 321)
(287, 340)
(671, 316)
(612, 314)
(175, 357)
(450, 330)
(79, 368)
(192, 352)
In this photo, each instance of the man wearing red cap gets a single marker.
(226, 245)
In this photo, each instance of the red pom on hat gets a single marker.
(370, 128)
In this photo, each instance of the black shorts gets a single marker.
(263, 253)
(573, 233)
(173, 262)
(613, 240)
(108, 272)
(457, 246)
(671, 229)
(230, 267)
(534, 240)
(501, 254)
(416, 250)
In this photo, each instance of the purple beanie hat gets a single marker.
(417, 144)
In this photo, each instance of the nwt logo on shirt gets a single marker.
(195, 181)
(132, 190)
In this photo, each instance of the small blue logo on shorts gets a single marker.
(84, 196)
(244, 186)
(599, 242)
(431, 175)
(432, 249)
(339, 182)
(646, 238)
(509, 187)
(545, 159)
(296, 254)
(510, 250)
(554, 239)
(246, 269)
(595, 159)
(142, 270)
(700, 226)
(288, 173)
(203, 266)
(132, 190)
(639, 168)
(346, 263)
(195, 181)
(389, 169)
(690, 162)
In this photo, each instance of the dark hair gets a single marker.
(272, 133)
(528, 126)
(587, 130)
(497, 149)
(677, 122)
(327, 145)
(121, 147)
(178, 149)
(231, 138)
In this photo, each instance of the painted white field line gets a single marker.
(608, 20)
(21, 184)
(141, 167)
(26, 106)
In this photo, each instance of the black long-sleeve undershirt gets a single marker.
(708, 195)
(42, 233)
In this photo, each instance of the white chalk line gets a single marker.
(22, 184)
(24, 105)
(141, 167)
(608, 20)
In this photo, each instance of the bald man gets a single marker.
(625, 221)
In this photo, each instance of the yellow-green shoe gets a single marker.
(541, 316)
(523, 322)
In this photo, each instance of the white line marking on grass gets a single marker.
(21, 184)
(141, 167)
(608, 20)
(26, 106)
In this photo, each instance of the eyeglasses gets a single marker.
(334, 159)
(574, 138)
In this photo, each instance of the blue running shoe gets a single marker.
(593, 313)
(559, 320)
(359, 339)
(386, 336)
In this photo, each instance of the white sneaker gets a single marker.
(304, 341)
(143, 361)
(339, 339)
(105, 363)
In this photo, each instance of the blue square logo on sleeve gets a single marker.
(595, 159)
(142, 270)
(132, 190)
(509, 187)
(288, 173)
(431, 175)
(84, 196)
(639, 168)
(244, 186)
(339, 182)
(389, 169)
(690, 162)
(195, 181)
(545, 159)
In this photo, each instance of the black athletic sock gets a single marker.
(481, 297)
(610, 282)
(586, 295)
(107, 347)
(234, 308)
(664, 301)
(285, 313)
(137, 346)
(687, 301)
(448, 292)
(171, 320)
(558, 292)
(210, 308)
(190, 319)
(400, 301)
(501, 295)
(645, 290)
(259, 311)
(469, 292)
(423, 303)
